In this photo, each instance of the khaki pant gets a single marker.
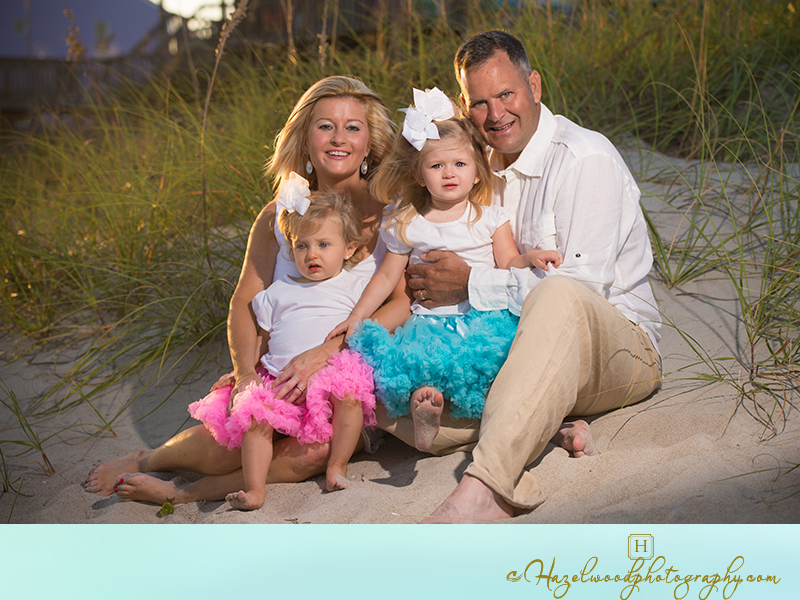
(574, 354)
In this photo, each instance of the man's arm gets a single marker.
(589, 222)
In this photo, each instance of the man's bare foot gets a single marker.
(575, 437)
(146, 488)
(102, 479)
(242, 500)
(336, 478)
(426, 412)
(471, 502)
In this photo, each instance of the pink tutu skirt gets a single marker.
(345, 376)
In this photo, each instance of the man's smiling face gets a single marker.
(503, 103)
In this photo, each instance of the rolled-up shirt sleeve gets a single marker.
(498, 289)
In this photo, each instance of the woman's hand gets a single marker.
(240, 385)
(227, 379)
(293, 380)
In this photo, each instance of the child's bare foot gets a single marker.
(336, 478)
(575, 437)
(102, 479)
(242, 500)
(146, 488)
(426, 412)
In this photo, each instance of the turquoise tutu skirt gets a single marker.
(458, 355)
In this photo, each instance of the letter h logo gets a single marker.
(640, 546)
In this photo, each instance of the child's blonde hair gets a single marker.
(398, 178)
(324, 206)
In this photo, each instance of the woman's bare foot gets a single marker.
(575, 437)
(426, 412)
(146, 488)
(102, 479)
(471, 502)
(242, 500)
(336, 477)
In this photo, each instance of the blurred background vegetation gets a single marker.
(126, 217)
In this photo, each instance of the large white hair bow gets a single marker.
(294, 194)
(429, 106)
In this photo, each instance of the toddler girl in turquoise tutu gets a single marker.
(294, 313)
(439, 175)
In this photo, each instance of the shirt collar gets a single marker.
(531, 160)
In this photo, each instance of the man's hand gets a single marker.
(441, 280)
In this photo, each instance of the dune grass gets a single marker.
(126, 219)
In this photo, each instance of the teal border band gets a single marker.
(386, 562)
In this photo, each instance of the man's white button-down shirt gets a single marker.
(571, 191)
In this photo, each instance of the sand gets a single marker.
(694, 452)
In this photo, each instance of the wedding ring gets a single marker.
(422, 295)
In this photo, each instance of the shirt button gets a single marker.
(577, 255)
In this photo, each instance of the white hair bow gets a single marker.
(294, 194)
(429, 106)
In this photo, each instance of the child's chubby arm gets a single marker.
(507, 256)
(503, 246)
(537, 258)
(379, 288)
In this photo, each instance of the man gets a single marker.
(588, 332)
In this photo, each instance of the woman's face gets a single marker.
(337, 140)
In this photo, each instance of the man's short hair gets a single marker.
(482, 46)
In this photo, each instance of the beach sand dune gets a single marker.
(694, 452)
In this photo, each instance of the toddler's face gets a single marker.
(321, 254)
(448, 169)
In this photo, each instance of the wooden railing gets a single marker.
(25, 83)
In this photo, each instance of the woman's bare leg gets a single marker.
(348, 420)
(192, 450)
(291, 463)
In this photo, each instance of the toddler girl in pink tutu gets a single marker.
(324, 234)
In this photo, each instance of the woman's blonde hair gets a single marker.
(398, 178)
(290, 142)
(325, 206)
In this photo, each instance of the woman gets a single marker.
(337, 134)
